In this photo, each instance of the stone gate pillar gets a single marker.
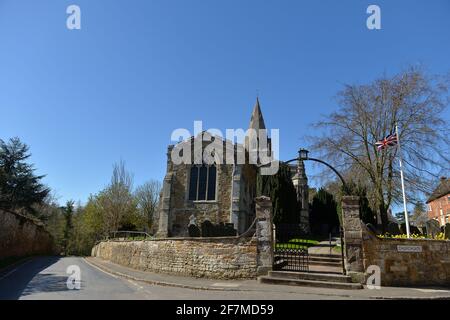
(264, 235)
(353, 238)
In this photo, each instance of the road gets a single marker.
(44, 278)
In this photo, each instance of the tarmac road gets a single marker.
(44, 278)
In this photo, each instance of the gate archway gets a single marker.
(298, 251)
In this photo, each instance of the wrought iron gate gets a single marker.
(291, 249)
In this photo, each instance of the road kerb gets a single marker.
(185, 286)
(156, 282)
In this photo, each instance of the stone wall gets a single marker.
(408, 262)
(21, 236)
(402, 262)
(242, 257)
(216, 258)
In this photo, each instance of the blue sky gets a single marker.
(137, 70)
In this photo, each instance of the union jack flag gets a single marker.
(390, 141)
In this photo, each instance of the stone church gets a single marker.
(222, 194)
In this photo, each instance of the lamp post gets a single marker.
(303, 155)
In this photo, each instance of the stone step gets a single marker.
(311, 260)
(309, 283)
(325, 263)
(325, 259)
(318, 255)
(325, 269)
(311, 276)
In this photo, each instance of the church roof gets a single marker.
(257, 120)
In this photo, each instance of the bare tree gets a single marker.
(147, 197)
(117, 199)
(367, 113)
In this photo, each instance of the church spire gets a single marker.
(257, 120)
(252, 142)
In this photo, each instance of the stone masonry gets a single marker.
(264, 234)
(216, 258)
(408, 262)
(353, 250)
(241, 257)
(235, 187)
(20, 236)
(402, 262)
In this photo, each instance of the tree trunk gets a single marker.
(384, 218)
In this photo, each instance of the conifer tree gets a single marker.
(20, 188)
(280, 189)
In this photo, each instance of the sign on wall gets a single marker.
(409, 248)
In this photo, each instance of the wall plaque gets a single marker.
(409, 248)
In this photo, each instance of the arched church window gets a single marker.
(202, 183)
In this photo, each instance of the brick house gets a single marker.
(439, 202)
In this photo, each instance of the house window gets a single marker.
(202, 183)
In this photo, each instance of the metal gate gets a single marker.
(291, 249)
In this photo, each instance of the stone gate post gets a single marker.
(264, 235)
(353, 238)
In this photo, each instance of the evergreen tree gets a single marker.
(281, 190)
(68, 228)
(20, 188)
(323, 212)
(419, 215)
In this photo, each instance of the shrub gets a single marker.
(393, 228)
(412, 229)
(447, 231)
(439, 236)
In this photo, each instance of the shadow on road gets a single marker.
(13, 284)
(47, 282)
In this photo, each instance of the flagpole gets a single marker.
(403, 182)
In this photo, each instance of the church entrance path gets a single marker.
(325, 247)
(325, 257)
